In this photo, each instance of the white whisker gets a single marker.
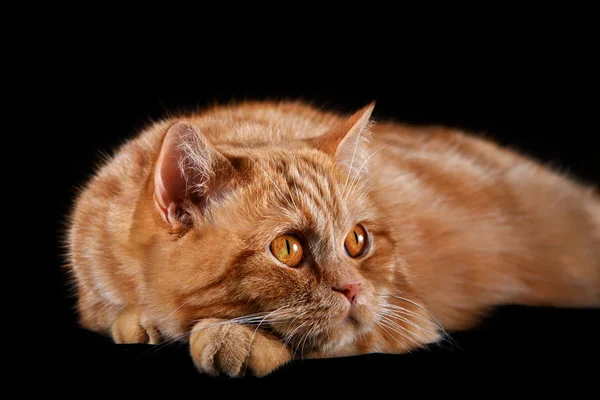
(439, 325)
(421, 307)
(291, 335)
(275, 184)
(352, 161)
(383, 327)
(407, 312)
(362, 166)
(398, 329)
(302, 342)
(405, 320)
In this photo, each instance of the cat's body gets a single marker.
(455, 225)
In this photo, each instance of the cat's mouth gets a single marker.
(360, 318)
(325, 327)
(346, 327)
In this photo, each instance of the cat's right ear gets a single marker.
(346, 142)
(188, 167)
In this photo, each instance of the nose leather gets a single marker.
(350, 290)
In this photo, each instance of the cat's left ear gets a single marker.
(346, 143)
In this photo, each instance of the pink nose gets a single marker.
(350, 290)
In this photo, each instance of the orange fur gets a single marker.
(456, 225)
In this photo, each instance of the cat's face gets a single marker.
(289, 242)
(228, 268)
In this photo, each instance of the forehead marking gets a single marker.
(312, 192)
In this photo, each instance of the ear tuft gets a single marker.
(188, 168)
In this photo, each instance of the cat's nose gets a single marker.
(350, 290)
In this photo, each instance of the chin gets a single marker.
(356, 322)
(363, 318)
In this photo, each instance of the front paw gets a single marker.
(130, 326)
(221, 347)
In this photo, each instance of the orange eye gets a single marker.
(356, 241)
(287, 249)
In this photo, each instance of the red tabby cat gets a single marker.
(263, 232)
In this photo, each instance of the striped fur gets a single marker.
(456, 226)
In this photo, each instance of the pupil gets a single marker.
(356, 237)
(287, 244)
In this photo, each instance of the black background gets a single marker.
(539, 97)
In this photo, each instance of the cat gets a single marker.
(262, 232)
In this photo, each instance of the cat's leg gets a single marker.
(130, 326)
(218, 346)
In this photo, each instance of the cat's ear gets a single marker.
(188, 168)
(347, 141)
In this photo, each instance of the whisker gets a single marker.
(275, 184)
(364, 337)
(295, 187)
(258, 327)
(249, 319)
(421, 307)
(445, 335)
(309, 333)
(290, 336)
(358, 190)
(422, 329)
(291, 323)
(272, 317)
(440, 343)
(363, 165)
(175, 310)
(394, 327)
(407, 312)
(379, 324)
(352, 161)
(374, 187)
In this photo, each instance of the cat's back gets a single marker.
(272, 122)
(445, 173)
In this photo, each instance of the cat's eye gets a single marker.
(356, 241)
(287, 249)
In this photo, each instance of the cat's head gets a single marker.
(278, 234)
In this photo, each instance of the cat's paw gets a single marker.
(235, 349)
(130, 326)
